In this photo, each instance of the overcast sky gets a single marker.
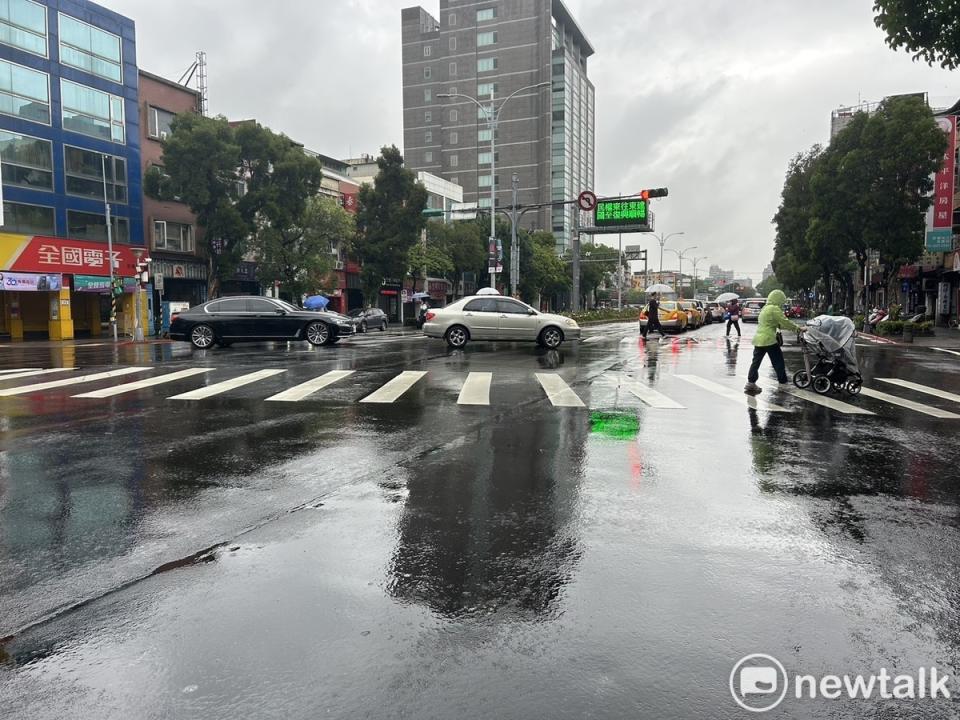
(710, 98)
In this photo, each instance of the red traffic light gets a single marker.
(653, 193)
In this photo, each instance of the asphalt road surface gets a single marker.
(387, 528)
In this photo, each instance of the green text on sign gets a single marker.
(613, 213)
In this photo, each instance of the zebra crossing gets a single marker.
(672, 391)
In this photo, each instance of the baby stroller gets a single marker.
(833, 341)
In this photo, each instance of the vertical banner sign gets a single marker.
(943, 192)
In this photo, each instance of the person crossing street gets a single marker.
(653, 316)
(765, 342)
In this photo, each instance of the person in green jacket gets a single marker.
(771, 319)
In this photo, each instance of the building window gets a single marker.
(427, 95)
(486, 38)
(428, 156)
(486, 14)
(24, 93)
(426, 73)
(453, 42)
(92, 112)
(91, 49)
(453, 69)
(428, 136)
(484, 135)
(483, 115)
(453, 91)
(27, 161)
(427, 50)
(172, 236)
(484, 202)
(428, 116)
(486, 64)
(23, 24)
(84, 173)
(454, 116)
(93, 226)
(484, 180)
(454, 138)
(452, 19)
(454, 160)
(28, 219)
(484, 158)
(486, 89)
(158, 122)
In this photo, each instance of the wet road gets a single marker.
(599, 531)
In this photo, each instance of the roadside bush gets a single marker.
(858, 321)
(600, 315)
(895, 327)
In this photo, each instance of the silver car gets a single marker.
(492, 317)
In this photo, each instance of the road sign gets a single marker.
(587, 201)
(158, 282)
(620, 212)
(939, 240)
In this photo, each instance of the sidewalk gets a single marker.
(948, 338)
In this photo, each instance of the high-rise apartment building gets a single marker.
(544, 136)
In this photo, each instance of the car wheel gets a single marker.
(551, 338)
(457, 336)
(822, 384)
(363, 326)
(202, 337)
(801, 378)
(318, 333)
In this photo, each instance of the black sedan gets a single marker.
(228, 320)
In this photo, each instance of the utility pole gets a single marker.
(575, 248)
(514, 245)
(106, 205)
(619, 271)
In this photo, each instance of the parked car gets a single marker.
(240, 319)
(694, 316)
(794, 311)
(672, 317)
(491, 317)
(750, 309)
(369, 318)
(715, 311)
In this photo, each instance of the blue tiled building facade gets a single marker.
(68, 115)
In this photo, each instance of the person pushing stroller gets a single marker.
(765, 342)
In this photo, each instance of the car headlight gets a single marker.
(571, 322)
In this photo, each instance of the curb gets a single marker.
(877, 339)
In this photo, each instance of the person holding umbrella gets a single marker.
(422, 308)
(653, 316)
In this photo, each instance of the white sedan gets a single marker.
(492, 317)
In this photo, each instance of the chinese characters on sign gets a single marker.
(614, 213)
(943, 191)
(30, 282)
(60, 255)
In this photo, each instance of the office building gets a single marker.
(545, 136)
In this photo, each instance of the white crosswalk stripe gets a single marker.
(303, 390)
(737, 396)
(476, 389)
(944, 350)
(392, 390)
(810, 396)
(910, 404)
(558, 392)
(17, 370)
(141, 384)
(652, 397)
(936, 392)
(76, 380)
(222, 387)
(31, 373)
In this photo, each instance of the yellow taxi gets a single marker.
(694, 315)
(672, 316)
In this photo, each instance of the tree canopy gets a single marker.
(930, 29)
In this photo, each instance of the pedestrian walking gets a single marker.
(653, 316)
(767, 341)
(733, 316)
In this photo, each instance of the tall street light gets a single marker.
(663, 241)
(678, 285)
(695, 261)
(492, 113)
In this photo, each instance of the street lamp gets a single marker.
(695, 261)
(678, 285)
(663, 241)
(493, 117)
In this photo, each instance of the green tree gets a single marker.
(542, 271)
(597, 263)
(793, 259)
(201, 159)
(299, 255)
(930, 29)
(389, 221)
(433, 257)
(765, 287)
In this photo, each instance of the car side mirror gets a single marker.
(280, 311)
(531, 311)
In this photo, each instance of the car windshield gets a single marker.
(668, 305)
(356, 312)
(285, 305)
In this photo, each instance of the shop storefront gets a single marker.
(54, 288)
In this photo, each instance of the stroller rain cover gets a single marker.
(834, 335)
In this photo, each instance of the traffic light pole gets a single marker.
(113, 297)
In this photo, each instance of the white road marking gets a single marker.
(922, 388)
(652, 397)
(392, 390)
(30, 373)
(737, 396)
(221, 387)
(593, 339)
(944, 350)
(910, 404)
(558, 391)
(36, 387)
(816, 399)
(140, 384)
(476, 389)
(18, 370)
(299, 392)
